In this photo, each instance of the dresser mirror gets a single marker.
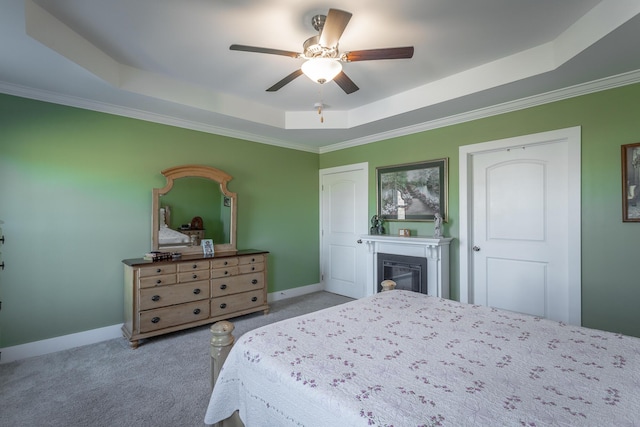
(195, 204)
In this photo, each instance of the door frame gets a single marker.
(572, 138)
(364, 167)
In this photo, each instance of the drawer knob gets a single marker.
(223, 305)
(196, 311)
(253, 268)
(226, 262)
(196, 291)
(158, 281)
(226, 273)
(223, 286)
(155, 298)
(254, 299)
(194, 266)
(155, 320)
(254, 281)
(159, 270)
(195, 276)
(253, 260)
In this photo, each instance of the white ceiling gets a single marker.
(169, 61)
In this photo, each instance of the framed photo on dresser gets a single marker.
(207, 247)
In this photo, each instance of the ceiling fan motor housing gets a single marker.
(313, 49)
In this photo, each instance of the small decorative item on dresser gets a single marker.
(405, 232)
(196, 223)
(157, 256)
(207, 247)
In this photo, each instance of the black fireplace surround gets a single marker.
(409, 273)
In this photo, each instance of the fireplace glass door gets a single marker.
(409, 273)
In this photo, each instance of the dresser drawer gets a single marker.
(224, 272)
(251, 259)
(163, 296)
(192, 266)
(237, 302)
(250, 268)
(155, 270)
(236, 284)
(223, 262)
(171, 316)
(153, 281)
(192, 276)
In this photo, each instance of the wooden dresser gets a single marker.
(168, 296)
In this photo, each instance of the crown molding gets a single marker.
(102, 107)
(619, 80)
(532, 101)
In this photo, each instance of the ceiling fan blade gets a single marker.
(374, 54)
(334, 26)
(345, 83)
(297, 73)
(264, 50)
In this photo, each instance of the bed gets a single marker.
(401, 358)
(166, 235)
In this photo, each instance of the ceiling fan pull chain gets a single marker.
(320, 105)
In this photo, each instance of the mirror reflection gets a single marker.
(194, 205)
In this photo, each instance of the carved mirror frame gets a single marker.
(185, 171)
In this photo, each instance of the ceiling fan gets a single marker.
(323, 59)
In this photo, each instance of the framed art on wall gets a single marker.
(631, 182)
(413, 191)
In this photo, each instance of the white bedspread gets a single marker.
(168, 236)
(401, 358)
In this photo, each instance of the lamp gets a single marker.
(321, 70)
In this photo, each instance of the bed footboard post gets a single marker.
(388, 285)
(221, 342)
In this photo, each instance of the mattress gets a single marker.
(402, 358)
(168, 236)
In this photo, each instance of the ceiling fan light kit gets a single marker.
(323, 60)
(321, 70)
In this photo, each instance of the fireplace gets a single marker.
(435, 250)
(409, 273)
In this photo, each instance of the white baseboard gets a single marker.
(65, 342)
(294, 292)
(51, 345)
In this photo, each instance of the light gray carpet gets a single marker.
(165, 382)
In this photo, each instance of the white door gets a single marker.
(522, 221)
(344, 218)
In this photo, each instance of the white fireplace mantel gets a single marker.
(434, 249)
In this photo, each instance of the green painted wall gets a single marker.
(610, 278)
(75, 196)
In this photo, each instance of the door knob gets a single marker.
(476, 248)
(359, 241)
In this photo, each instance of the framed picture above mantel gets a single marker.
(631, 182)
(413, 191)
